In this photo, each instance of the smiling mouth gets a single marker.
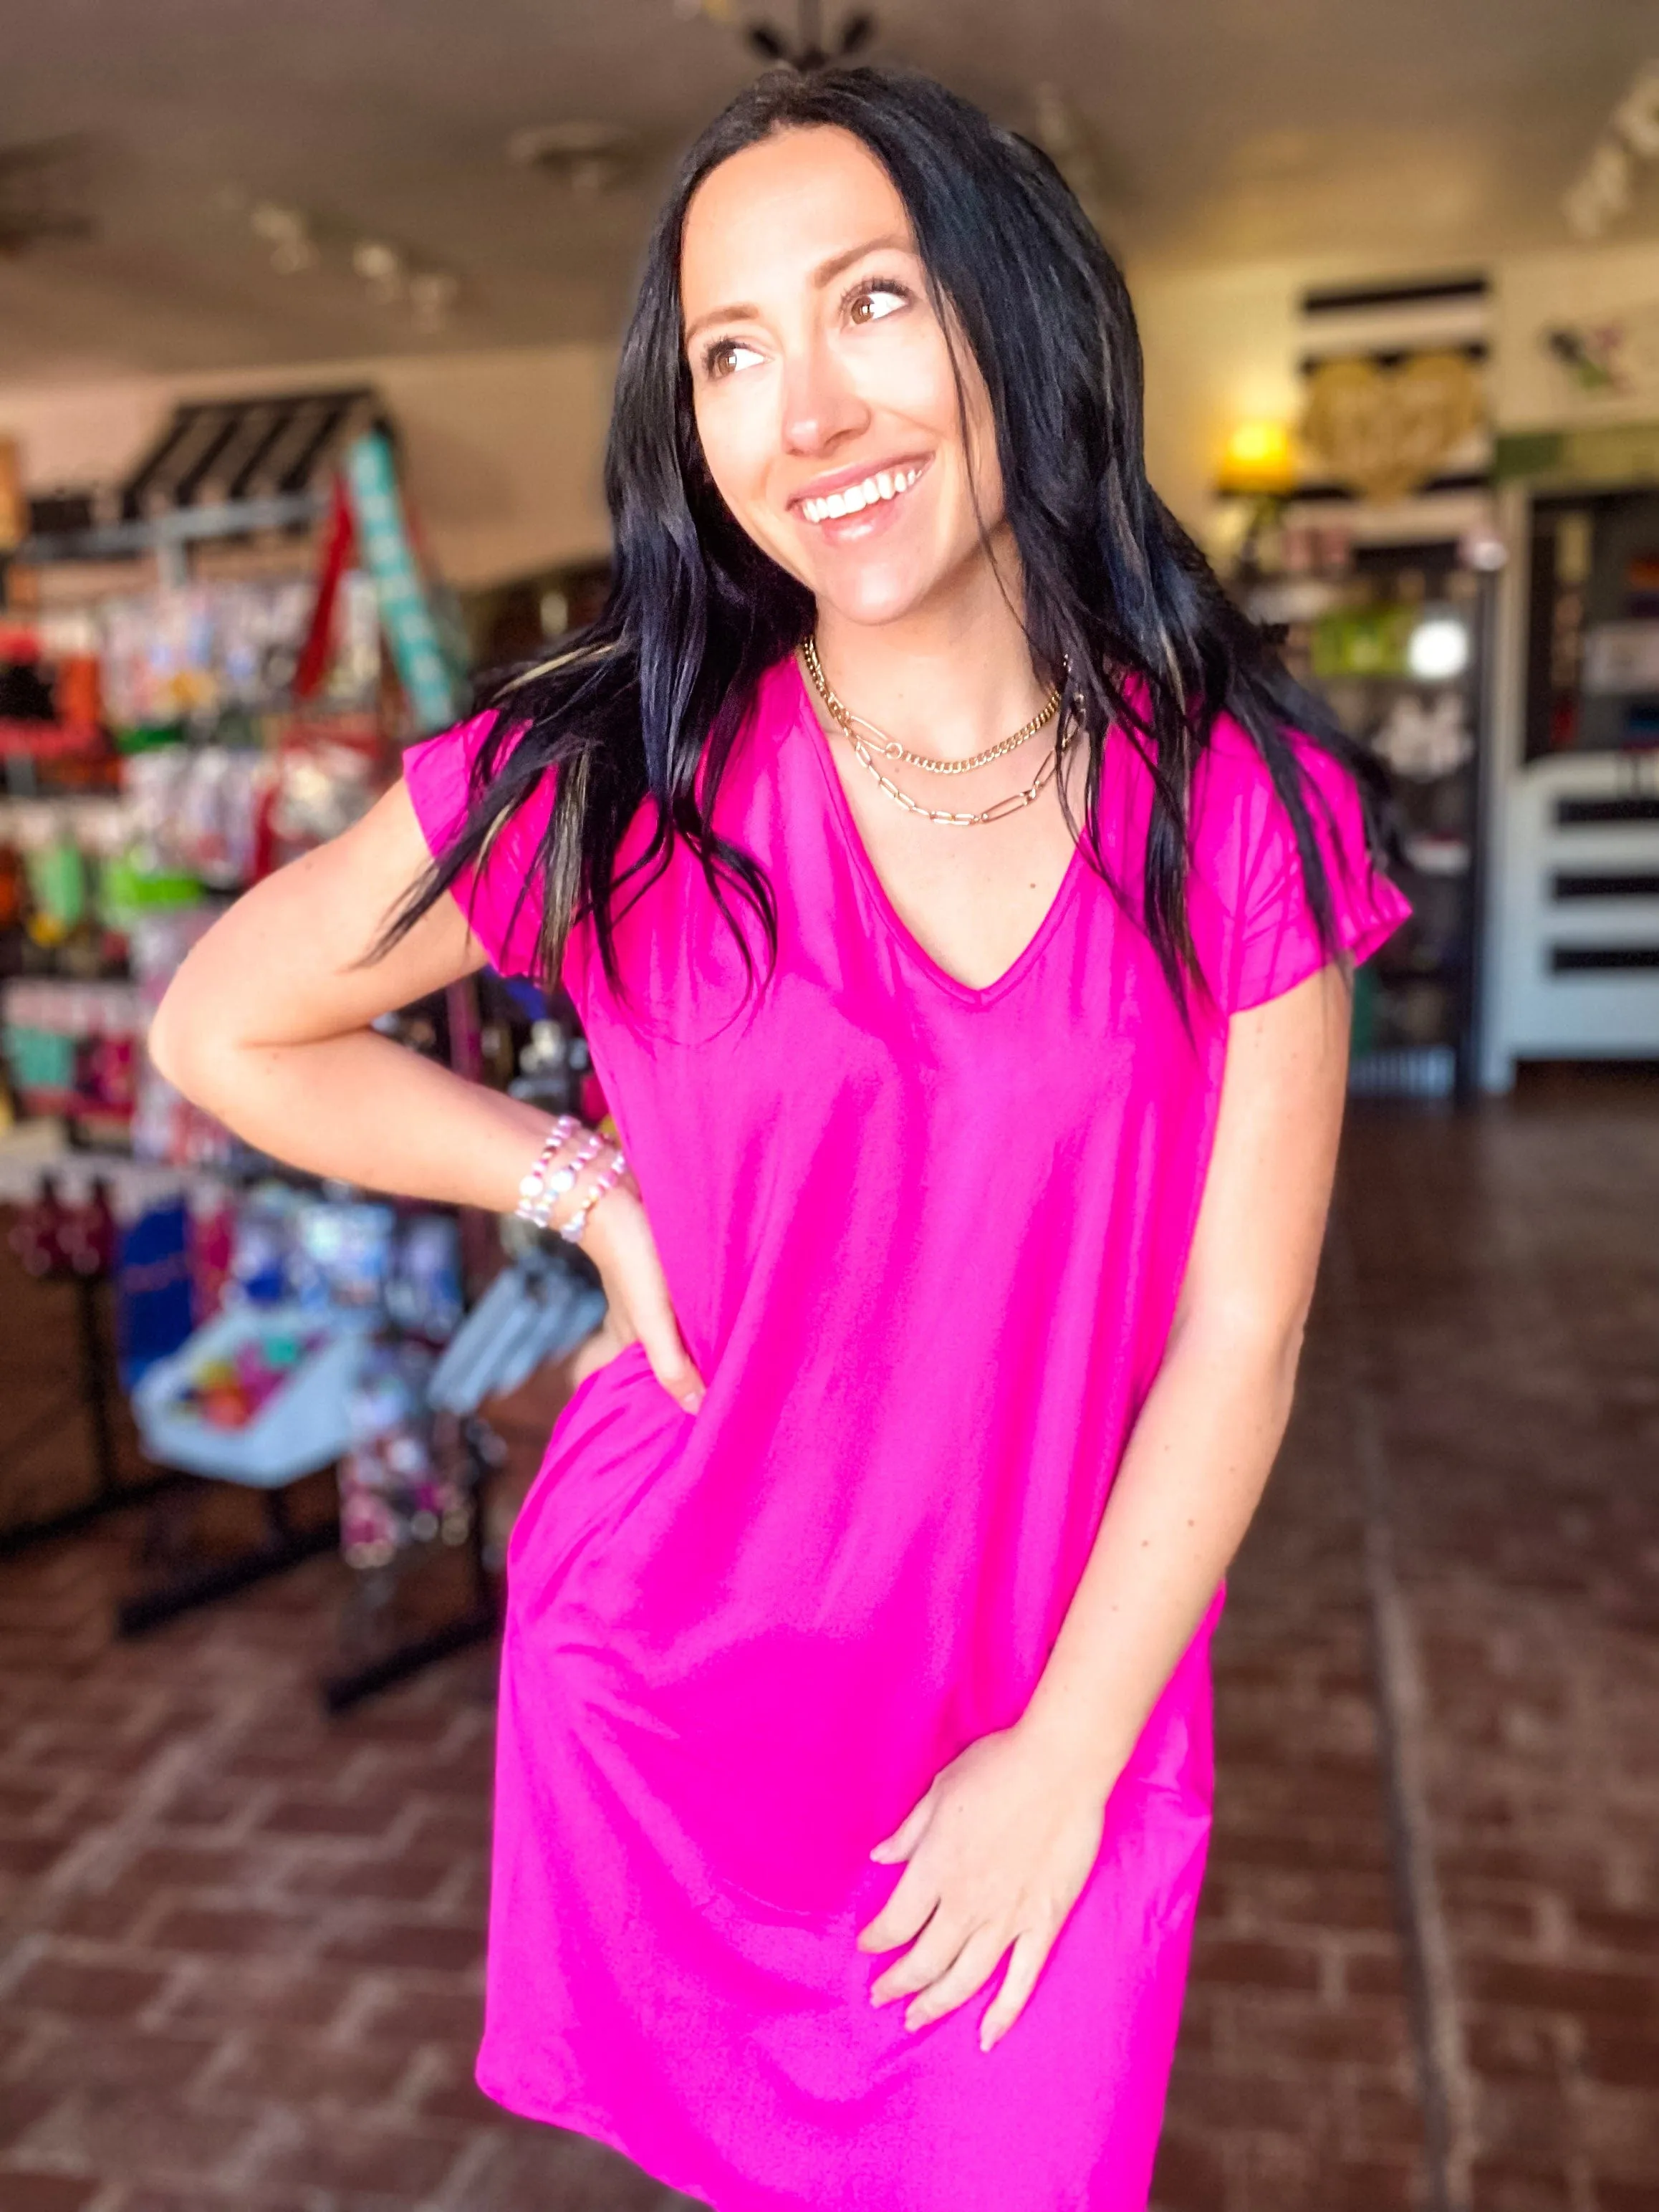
(876, 491)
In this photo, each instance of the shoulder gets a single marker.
(1254, 907)
(445, 775)
(1240, 823)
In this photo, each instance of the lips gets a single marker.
(855, 495)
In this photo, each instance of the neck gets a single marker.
(950, 678)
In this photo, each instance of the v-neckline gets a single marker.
(852, 838)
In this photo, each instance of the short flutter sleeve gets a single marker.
(1262, 936)
(502, 894)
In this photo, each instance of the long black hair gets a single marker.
(642, 709)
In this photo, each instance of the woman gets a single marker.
(962, 934)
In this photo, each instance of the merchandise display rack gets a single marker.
(156, 529)
(1398, 643)
(100, 1393)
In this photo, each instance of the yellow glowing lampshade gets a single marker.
(1258, 462)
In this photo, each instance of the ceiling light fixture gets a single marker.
(301, 239)
(588, 158)
(287, 231)
(808, 49)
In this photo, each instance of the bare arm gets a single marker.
(999, 1848)
(1204, 1443)
(266, 1024)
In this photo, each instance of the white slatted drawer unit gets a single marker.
(1578, 911)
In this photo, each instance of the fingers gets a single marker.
(671, 1363)
(932, 1955)
(905, 1838)
(972, 1967)
(626, 1253)
(1026, 1963)
(904, 1915)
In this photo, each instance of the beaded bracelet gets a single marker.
(559, 1182)
(559, 1135)
(531, 1184)
(606, 1179)
(546, 1184)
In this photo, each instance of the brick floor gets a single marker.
(241, 1966)
(1506, 1289)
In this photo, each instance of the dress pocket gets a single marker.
(612, 1438)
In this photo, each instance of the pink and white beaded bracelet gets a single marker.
(542, 1185)
(606, 1179)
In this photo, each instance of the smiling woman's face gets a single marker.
(823, 384)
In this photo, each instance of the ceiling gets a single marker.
(1400, 135)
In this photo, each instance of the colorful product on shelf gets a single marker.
(340, 1253)
(195, 809)
(56, 1235)
(1363, 641)
(423, 1296)
(400, 1482)
(230, 1390)
(70, 1048)
(240, 1403)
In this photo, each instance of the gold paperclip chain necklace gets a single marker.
(854, 727)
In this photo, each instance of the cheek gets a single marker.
(910, 379)
(735, 446)
(912, 383)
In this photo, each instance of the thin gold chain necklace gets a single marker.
(854, 726)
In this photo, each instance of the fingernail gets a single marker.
(692, 1400)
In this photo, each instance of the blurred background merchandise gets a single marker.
(308, 321)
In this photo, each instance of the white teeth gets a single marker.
(854, 498)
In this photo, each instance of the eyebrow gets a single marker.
(825, 273)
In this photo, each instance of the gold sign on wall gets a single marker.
(1383, 432)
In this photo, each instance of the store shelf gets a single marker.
(1351, 637)
(183, 526)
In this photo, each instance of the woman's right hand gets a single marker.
(619, 1242)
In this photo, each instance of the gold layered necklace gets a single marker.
(868, 742)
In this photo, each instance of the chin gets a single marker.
(874, 595)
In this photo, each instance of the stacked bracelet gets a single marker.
(552, 1177)
(606, 1179)
(545, 1184)
(530, 1187)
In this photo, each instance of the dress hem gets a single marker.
(574, 2119)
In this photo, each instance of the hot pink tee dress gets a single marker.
(924, 1242)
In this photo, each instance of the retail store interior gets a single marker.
(308, 319)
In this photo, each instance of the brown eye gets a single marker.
(872, 303)
(724, 355)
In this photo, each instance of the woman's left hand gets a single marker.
(997, 1850)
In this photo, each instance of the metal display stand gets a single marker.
(99, 1386)
(349, 1686)
(284, 1546)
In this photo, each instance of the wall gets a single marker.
(503, 448)
(1537, 290)
(1220, 347)
(1222, 344)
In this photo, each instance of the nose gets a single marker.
(820, 403)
